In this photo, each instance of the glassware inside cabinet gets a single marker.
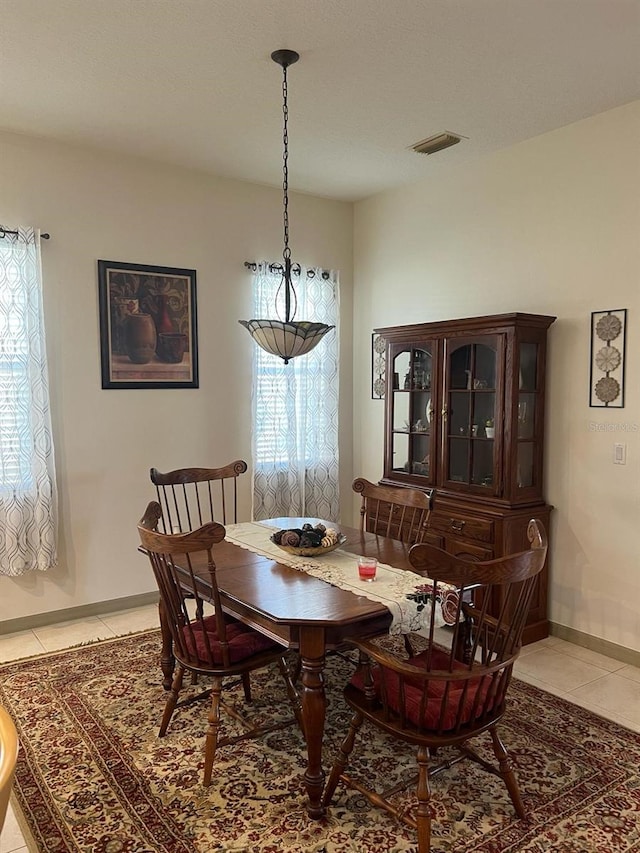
(421, 369)
(526, 415)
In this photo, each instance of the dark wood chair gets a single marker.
(214, 645)
(190, 497)
(433, 699)
(396, 513)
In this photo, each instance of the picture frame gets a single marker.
(608, 350)
(148, 328)
(378, 366)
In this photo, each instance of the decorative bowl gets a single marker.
(312, 552)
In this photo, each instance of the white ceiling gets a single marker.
(191, 82)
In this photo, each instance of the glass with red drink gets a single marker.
(367, 568)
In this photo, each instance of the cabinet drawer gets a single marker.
(464, 526)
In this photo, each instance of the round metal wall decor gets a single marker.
(608, 358)
(607, 389)
(608, 327)
(378, 366)
(607, 370)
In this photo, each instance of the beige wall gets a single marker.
(548, 226)
(551, 226)
(115, 208)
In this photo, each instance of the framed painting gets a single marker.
(148, 332)
(608, 351)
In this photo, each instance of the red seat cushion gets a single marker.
(438, 713)
(243, 641)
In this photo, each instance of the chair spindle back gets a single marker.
(191, 497)
(174, 559)
(396, 513)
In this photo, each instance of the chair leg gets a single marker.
(292, 693)
(246, 684)
(340, 764)
(423, 812)
(172, 700)
(506, 771)
(211, 741)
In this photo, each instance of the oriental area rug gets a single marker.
(93, 777)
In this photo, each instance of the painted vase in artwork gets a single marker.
(140, 338)
(164, 323)
(121, 308)
(171, 347)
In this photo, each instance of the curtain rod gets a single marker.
(6, 231)
(295, 269)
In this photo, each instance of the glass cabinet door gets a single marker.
(411, 412)
(472, 387)
(528, 397)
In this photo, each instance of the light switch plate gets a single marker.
(620, 454)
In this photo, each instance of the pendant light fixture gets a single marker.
(286, 338)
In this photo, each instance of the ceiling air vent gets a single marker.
(436, 143)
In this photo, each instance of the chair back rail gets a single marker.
(191, 497)
(396, 513)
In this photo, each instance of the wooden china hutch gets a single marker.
(465, 415)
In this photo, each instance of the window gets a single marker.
(295, 407)
(27, 480)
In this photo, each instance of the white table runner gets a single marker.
(339, 568)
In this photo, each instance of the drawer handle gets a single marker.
(457, 525)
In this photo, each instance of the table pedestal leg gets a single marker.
(167, 660)
(312, 650)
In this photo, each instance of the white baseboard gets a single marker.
(595, 644)
(99, 608)
(102, 608)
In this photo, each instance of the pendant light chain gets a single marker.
(286, 339)
(286, 254)
(285, 163)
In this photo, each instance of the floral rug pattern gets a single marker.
(93, 777)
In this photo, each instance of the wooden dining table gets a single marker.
(302, 613)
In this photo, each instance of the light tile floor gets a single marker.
(605, 686)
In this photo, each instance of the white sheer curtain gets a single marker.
(27, 477)
(295, 406)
